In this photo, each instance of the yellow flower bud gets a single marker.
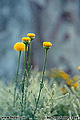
(47, 45)
(31, 35)
(26, 40)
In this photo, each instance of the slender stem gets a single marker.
(24, 74)
(25, 58)
(28, 73)
(16, 78)
(44, 64)
(41, 84)
(29, 62)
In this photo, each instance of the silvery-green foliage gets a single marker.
(53, 102)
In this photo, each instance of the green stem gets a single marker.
(44, 64)
(25, 58)
(23, 81)
(41, 84)
(28, 73)
(16, 78)
(29, 62)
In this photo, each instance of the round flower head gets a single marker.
(31, 35)
(19, 46)
(47, 45)
(26, 40)
(79, 68)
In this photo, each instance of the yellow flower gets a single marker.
(79, 68)
(69, 82)
(47, 45)
(19, 46)
(75, 85)
(26, 40)
(31, 35)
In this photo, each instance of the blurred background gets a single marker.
(57, 21)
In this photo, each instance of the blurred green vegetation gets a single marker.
(54, 100)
